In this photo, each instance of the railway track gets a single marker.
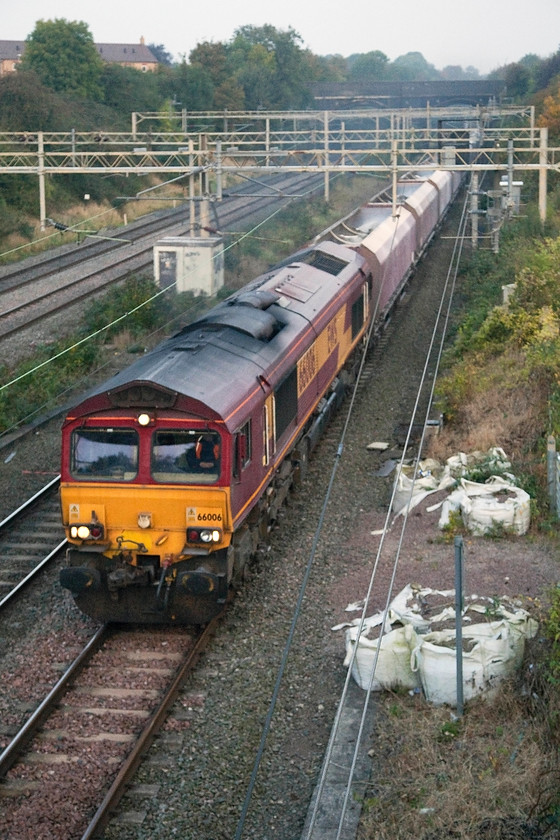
(31, 295)
(30, 538)
(67, 767)
(228, 673)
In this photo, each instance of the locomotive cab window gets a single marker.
(104, 454)
(242, 449)
(185, 456)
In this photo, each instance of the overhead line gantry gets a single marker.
(206, 148)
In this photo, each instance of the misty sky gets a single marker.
(490, 33)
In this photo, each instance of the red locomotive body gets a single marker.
(159, 528)
(173, 471)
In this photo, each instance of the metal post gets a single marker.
(219, 171)
(192, 189)
(41, 173)
(509, 191)
(459, 621)
(474, 210)
(203, 160)
(552, 473)
(394, 161)
(543, 173)
(326, 148)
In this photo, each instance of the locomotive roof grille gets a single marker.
(325, 262)
(316, 258)
(142, 395)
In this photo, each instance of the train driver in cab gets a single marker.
(207, 453)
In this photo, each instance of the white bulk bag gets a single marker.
(491, 658)
(496, 502)
(483, 506)
(409, 493)
(393, 668)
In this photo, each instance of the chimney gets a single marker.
(142, 40)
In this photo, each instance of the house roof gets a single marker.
(137, 53)
(113, 53)
(11, 50)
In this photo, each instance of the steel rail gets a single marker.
(14, 749)
(115, 792)
(16, 514)
(119, 264)
(10, 520)
(32, 574)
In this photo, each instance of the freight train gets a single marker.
(173, 471)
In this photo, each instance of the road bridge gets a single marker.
(439, 94)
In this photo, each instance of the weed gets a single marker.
(451, 729)
(551, 628)
(454, 527)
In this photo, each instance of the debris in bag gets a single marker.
(483, 505)
(392, 669)
(414, 654)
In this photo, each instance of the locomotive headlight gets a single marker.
(204, 535)
(93, 531)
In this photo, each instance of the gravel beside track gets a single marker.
(193, 783)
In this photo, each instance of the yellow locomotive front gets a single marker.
(146, 508)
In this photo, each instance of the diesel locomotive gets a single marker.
(174, 470)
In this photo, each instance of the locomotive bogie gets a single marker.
(191, 591)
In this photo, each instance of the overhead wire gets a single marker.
(68, 229)
(307, 572)
(91, 336)
(447, 293)
(309, 566)
(125, 315)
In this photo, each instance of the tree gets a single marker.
(550, 116)
(63, 55)
(545, 72)
(192, 87)
(212, 59)
(530, 61)
(471, 72)
(25, 103)
(454, 72)
(518, 80)
(271, 67)
(413, 67)
(126, 89)
(163, 56)
(328, 68)
(369, 67)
